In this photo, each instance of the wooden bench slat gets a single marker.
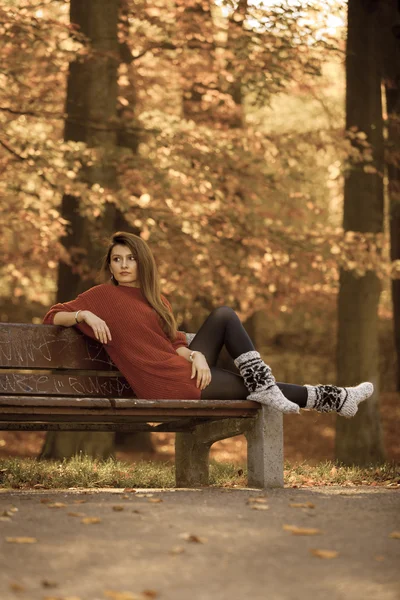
(182, 426)
(129, 404)
(26, 346)
(59, 384)
(12, 402)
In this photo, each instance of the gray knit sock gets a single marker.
(345, 401)
(260, 382)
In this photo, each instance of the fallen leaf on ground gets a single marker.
(136, 511)
(302, 505)
(13, 509)
(301, 530)
(324, 553)
(91, 520)
(5, 518)
(260, 507)
(17, 587)
(379, 557)
(48, 583)
(125, 497)
(75, 514)
(79, 501)
(21, 540)
(257, 500)
(118, 508)
(155, 500)
(395, 535)
(56, 505)
(45, 500)
(122, 595)
(130, 490)
(177, 550)
(191, 537)
(150, 593)
(61, 598)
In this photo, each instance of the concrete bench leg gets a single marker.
(192, 449)
(265, 449)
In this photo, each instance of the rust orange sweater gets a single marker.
(139, 348)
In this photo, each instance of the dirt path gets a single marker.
(237, 551)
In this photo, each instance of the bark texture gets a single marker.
(390, 40)
(91, 118)
(359, 440)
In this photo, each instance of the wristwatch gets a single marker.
(191, 355)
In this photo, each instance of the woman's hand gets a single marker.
(100, 327)
(200, 366)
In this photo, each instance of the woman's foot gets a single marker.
(345, 401)
(274, 398)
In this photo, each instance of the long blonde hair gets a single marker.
(149, 278)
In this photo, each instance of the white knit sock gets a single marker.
(261, 384)
(345, 401)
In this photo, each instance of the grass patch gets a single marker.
(330, 473)
(86, 472)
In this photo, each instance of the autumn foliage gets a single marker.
(230, 157)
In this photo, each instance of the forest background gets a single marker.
(219, 132)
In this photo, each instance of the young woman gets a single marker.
(135, 323)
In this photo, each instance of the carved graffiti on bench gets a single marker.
(48, 346)
(81, 385)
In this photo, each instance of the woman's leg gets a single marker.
(223, 326)
(226, 385)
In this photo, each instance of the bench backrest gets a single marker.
(57, 361)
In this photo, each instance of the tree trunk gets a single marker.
(393, 107)
(91, 112)
(390, 32)
(359, 440)
(197, 24)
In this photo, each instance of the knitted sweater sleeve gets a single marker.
(85, 301)
(180, 340)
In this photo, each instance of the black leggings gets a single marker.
(223, 327)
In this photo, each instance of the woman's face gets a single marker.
(123, 266)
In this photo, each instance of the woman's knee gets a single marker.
(223, 313)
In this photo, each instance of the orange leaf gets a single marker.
(301, 530)
(90, 520)
(324, 553)
(395, 535)
(21, 540)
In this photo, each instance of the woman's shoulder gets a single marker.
(98, 291)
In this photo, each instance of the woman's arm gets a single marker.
(185, 352)
(99, 327)
(67, 319)
(199, 366)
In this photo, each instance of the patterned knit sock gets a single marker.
(345, 401)
(261, 383)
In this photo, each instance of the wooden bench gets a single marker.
(54, 378)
